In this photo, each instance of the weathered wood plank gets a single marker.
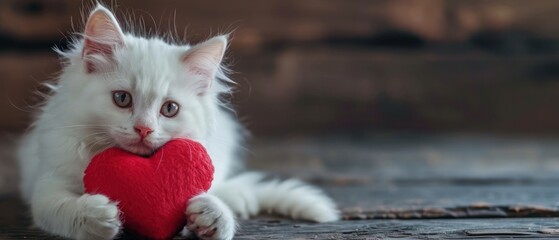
(270, 228)
(390, 202)
(325, 89)
(410, 159)
(413, 176)
(416, 229)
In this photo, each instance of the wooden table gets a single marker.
(400, 186)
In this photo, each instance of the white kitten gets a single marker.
(117, 89)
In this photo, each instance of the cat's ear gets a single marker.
(102, 36)
(204, 60)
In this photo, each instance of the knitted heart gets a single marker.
(152, 193)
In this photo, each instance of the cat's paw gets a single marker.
(98, 216)
(209, 218)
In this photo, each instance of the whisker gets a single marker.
(81, 140)
(18, 108)
(100, 142)
(91, 135)
(83, 126)
(160, 160)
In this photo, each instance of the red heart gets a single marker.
(152, 193)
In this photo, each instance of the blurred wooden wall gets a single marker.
(316, 66)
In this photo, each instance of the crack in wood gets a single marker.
(456, 212)
(499, 232)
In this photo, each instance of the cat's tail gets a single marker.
(248, 194)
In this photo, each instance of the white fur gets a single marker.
(80, 119)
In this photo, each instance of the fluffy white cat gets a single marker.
(117, 89)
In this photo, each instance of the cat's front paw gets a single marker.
(209, 218)
(99, 217)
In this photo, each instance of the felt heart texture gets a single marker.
(152, 193)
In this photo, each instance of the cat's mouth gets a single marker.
(141, 148)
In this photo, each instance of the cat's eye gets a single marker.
(122, 99)
(170, 109)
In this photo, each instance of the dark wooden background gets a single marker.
(307, 67)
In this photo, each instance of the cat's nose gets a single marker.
(143, 131)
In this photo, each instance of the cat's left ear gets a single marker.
(204, 61)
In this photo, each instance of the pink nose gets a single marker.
(143, 131)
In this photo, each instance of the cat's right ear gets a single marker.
(102, 36)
